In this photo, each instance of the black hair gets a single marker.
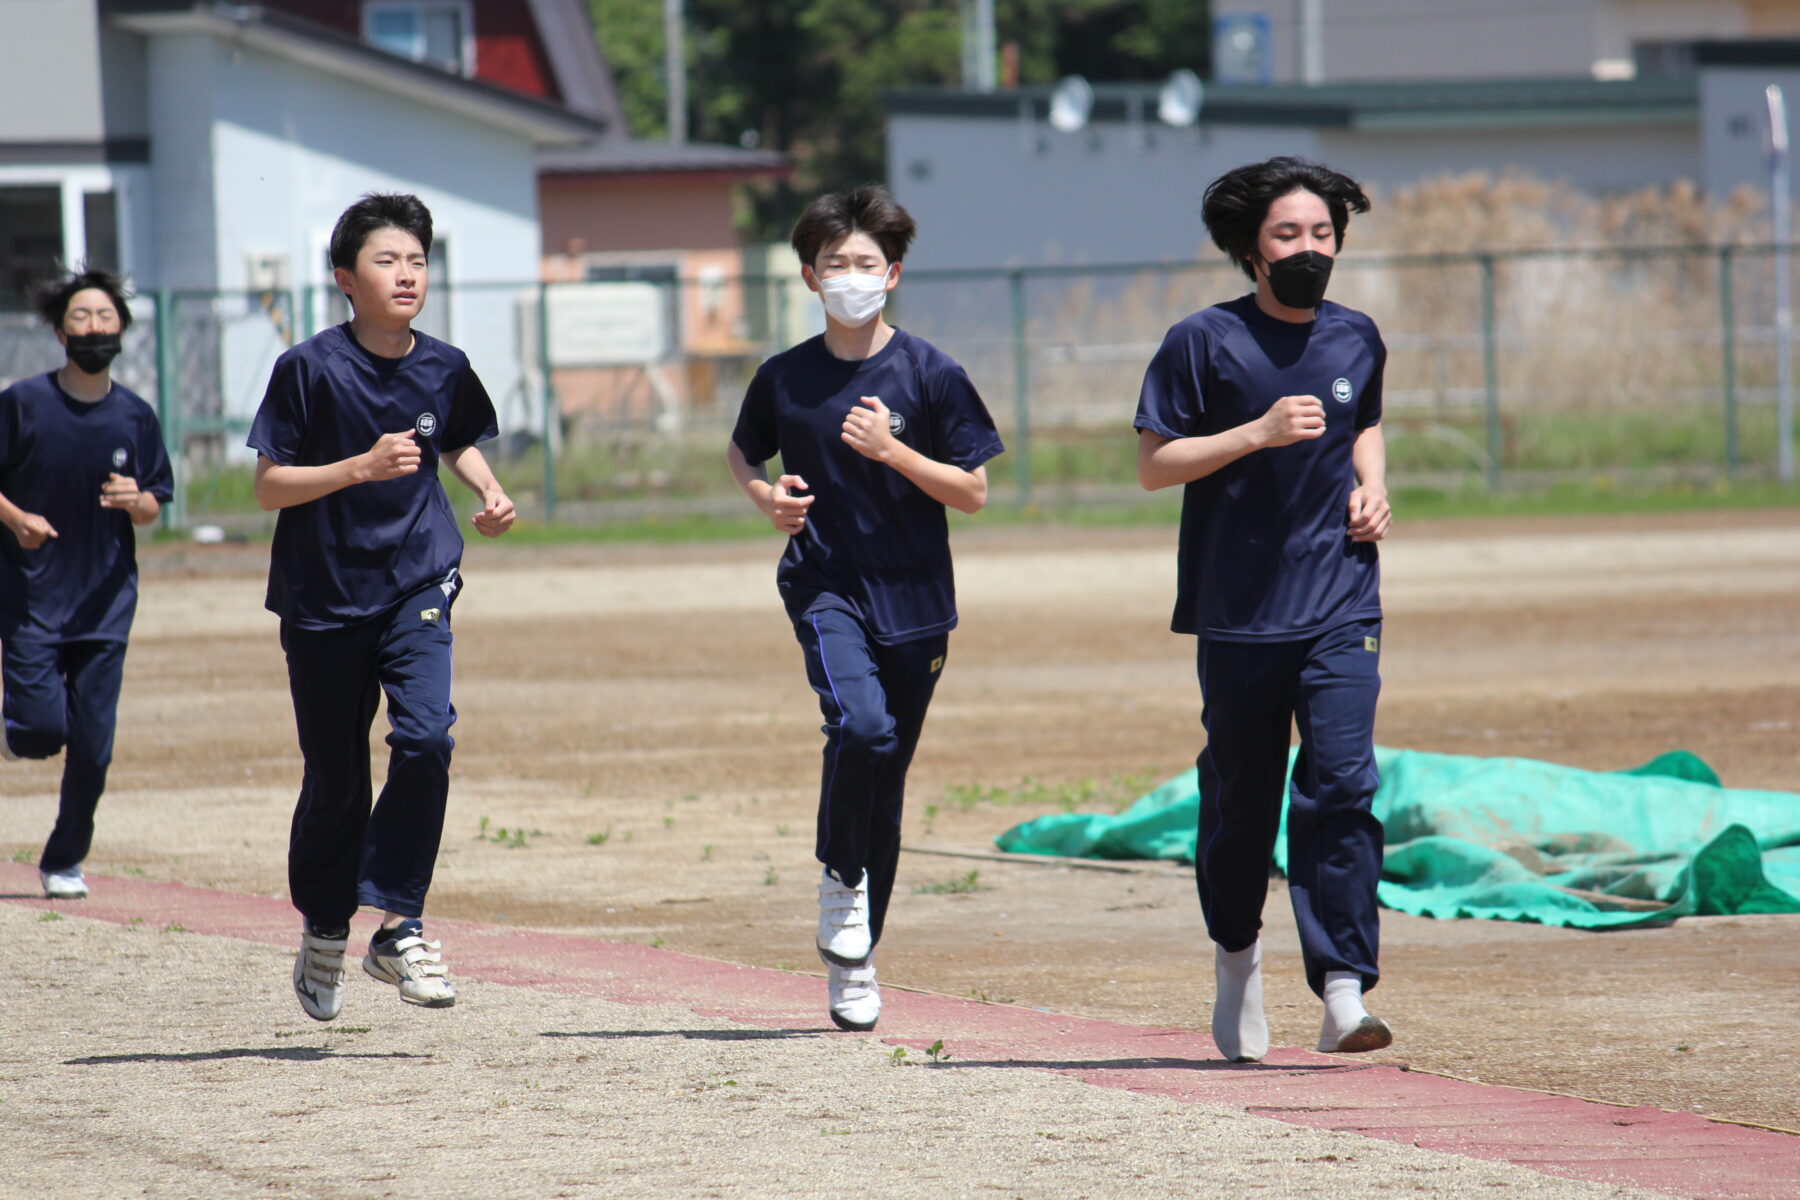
(378, 210)
(51, 299)
(868, 209)
(1237, 202)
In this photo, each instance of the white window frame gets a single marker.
(464, 8)
(74, 182)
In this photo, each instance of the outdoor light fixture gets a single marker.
(1178, 103)
(1071, 104)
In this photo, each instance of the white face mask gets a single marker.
(854, 298)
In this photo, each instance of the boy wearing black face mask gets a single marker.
(81, 463)
(1267, 409)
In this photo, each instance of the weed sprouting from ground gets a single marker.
(1066, 795)
(960, 885)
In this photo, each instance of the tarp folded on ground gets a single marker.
(1514, 839)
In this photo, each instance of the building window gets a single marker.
(439, 32)
(100, 214)
(1663, 58)
(31, 242)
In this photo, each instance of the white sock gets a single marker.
(1239, 1028)
(1344, 1009)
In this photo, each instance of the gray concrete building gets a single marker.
(996, 183)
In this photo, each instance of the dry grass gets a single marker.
(1608, 318)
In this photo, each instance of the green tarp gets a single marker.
(1513, 839)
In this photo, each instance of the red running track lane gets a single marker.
(1678, 1153)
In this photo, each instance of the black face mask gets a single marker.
(1298, 280)
(94, 352)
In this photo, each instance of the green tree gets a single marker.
(630, 33)
(807, 76)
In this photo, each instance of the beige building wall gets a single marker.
(1772, 18)
(674, 222)
(1383, 40)
(638, 213)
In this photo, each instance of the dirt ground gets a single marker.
(638, 754)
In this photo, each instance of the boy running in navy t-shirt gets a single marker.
(363, 573)
(877, 431)
(81, 462)
(1267, 408)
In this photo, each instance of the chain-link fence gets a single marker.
(616, 397)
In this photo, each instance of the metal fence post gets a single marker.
(778, 335)
(549, 402)
(1490, 371)
(168, 409)
(1021, 387)
(1728, 359)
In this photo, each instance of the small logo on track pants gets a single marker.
(429, 614)
(1371, 644)
(937, 664)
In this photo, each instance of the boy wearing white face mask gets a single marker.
(877, 430)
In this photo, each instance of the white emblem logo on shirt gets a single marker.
(1340, 391)
(896, 423)
(426, 424)
(120, 457)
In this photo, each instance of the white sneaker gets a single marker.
(319, 974)
(844, 938)
(1348, 1028)
(64, 885)
(855, 1000)
(1370, 1033)
(413, 965)
(1239, 1028)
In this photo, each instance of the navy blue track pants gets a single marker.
(874, 699)
(342, 854)
(65, 694)
(1326, 685)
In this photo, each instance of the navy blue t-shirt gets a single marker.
(1265, 553)
(55, 454)
(874, 544)
(359, 551)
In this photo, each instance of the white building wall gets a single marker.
(123, 79)
(180, 251)
(285, 151)
(50, 71)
